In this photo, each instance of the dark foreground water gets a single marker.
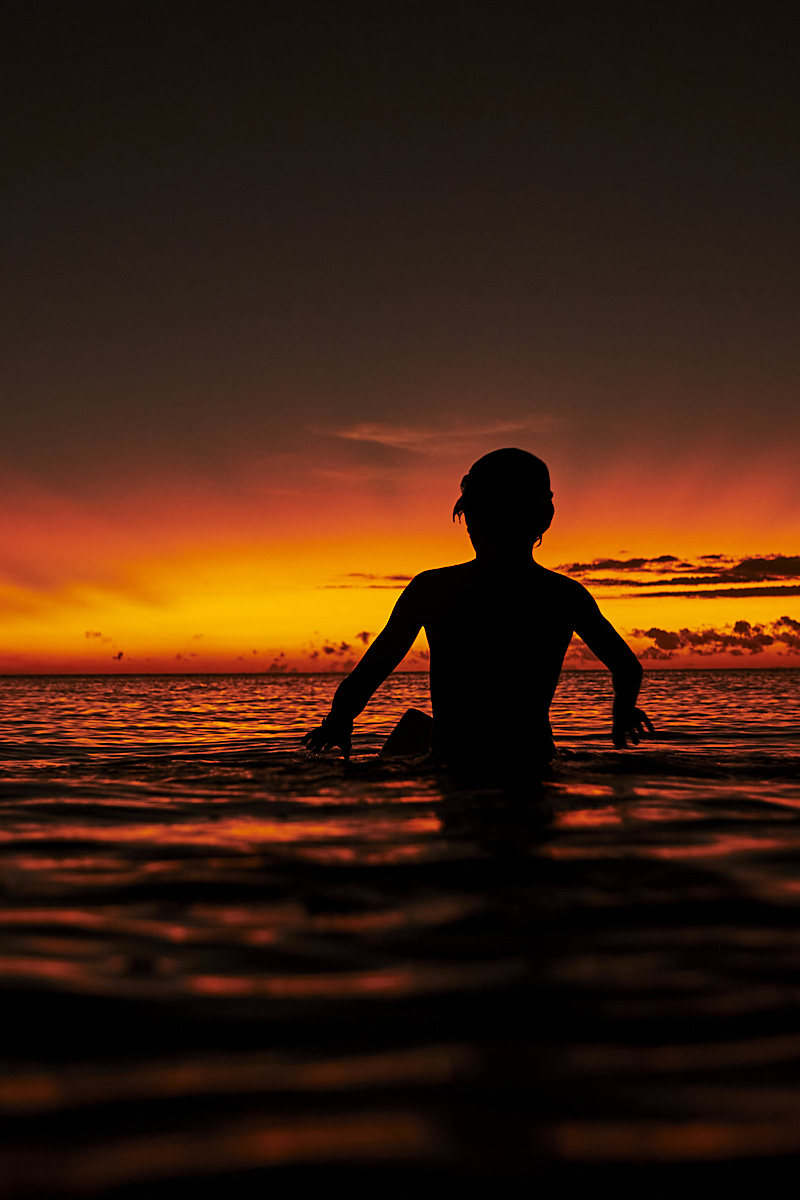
(229, 969)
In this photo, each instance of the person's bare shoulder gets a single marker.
(567, 590)
(443, 576)
(436, 580)
(439, 582)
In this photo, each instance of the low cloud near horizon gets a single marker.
(703, 572)
(737, 640)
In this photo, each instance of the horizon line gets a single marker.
(663, 666)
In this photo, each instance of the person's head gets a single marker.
(506, 501)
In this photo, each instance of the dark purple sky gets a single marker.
(232, 232)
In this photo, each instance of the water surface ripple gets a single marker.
(220, 956)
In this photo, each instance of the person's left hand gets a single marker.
(330, 733)
(630, 722)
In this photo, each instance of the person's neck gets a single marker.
(503, 558)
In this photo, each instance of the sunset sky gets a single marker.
(275, 275)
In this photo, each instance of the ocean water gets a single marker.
(227, 965)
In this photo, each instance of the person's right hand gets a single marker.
(330, 733)
(630, 722)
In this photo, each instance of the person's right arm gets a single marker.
(603, 640)
(386, 652)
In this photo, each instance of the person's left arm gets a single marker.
(386, 652)
(603, 640)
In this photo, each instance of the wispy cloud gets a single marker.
(663, 562)
(718, 593)
(362, 579)
(437, 439)
(367, 575)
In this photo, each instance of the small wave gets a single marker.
(209, 937)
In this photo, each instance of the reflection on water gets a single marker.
(220, 956)
(230, 1145)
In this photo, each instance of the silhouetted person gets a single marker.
(498, 629)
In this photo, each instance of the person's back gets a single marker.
(497, 641)
(498, 629)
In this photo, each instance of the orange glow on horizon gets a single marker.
(302, 574)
